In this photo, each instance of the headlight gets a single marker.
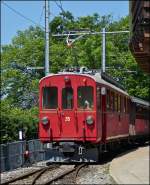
(89, 120)
(45, 120)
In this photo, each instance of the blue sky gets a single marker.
(11, 22)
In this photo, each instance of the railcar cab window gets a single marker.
(50, 98)
(67, 98)
(85, 97)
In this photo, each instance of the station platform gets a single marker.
(132, 167)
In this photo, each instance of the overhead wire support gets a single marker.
(103, 33)
(88, 33)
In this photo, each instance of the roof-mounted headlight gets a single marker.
(45, 120)
(89, 120)
(67, 79)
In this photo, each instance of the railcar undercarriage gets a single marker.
(72, 152)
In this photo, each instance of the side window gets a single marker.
(116, 102)
(124, 105)
(127, 105)
(142, 112)
(98, 98)
(119, 103)
(112, 101)
(85, 97)
(108, 99)
(67, 98)
(50, 98)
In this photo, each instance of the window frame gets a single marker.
(43, 108)
(98, 97)
(73, 104)
(119, 103)
(108, 102)
(124, 104)
(112, 95)
(92, 108)
(115, 102)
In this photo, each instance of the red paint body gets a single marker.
(70, 124)
(75, 129)
(141, 127)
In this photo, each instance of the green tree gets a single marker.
(19, 85)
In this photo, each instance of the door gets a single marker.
(67, 113)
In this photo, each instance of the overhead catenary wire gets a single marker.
(88, 33)
(62, 10)
(60, 6)
(41, 14)
(21, 15)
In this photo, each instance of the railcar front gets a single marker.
(68, 117)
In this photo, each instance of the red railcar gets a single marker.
(79, 113)
(139, 122)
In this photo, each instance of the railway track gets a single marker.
(62, 173)
(75, 169)
(29, 174)
(38, 176)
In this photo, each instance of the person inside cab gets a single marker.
(87, 105)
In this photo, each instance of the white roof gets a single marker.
(140, 101)
(96, 77)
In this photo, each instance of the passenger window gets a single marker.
(50, 98)
(67, 98)
(112, 101)
(108, 99)
(127, 105)
(119, 103)
(124, 105)
(85, 97)
(98, 98)
(116, 102)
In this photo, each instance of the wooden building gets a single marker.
(140, 32)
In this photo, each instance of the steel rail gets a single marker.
(76, 168)
(26, 175)
(39, 175)
(21, 176)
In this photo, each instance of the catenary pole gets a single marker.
(46, 37)
(103, 50)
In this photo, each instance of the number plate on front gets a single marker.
(67, 119)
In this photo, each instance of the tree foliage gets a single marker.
(19, 85)
(15, 119)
